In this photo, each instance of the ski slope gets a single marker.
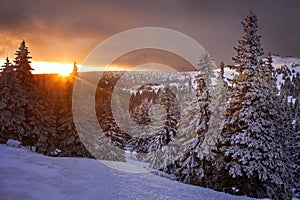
(27, 175)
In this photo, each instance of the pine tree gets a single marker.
(249, 49)
(206, 70)
(22, 65)
(294, 151)
(217, 110)
(74, 72)
(191, 164)
(108, 150)
(270, 75)
(30, 95)
(12, 111)
(222, 68)
(189, 121)
(36, 126)
(158, 157)
(253, 136)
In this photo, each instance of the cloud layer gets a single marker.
(68, 30)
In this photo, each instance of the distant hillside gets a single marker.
(288, 61)
(288, 76)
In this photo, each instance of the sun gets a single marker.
(64, 72)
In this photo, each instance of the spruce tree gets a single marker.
(270, 75)
(191, 164)
(74, 72)
(252, 141)
(249, 48)
(30, 94)
(22, 65)
(12, 110)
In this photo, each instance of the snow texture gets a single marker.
(13, 143)
(27, 175)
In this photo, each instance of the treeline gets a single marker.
(256, 151)
(37, 109)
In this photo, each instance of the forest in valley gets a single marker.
(253, 149)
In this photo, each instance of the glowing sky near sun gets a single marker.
(51, 67)
(61, 32)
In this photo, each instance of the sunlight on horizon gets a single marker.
(64, 69)
(41, 67)
(44, 67)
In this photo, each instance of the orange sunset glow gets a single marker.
(63, 69)
(57, 32)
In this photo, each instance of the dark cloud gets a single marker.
(68, 29)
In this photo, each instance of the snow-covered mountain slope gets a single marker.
(288, 61)
(292, 66)
(26, 175)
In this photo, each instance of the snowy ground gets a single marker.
(27, 175)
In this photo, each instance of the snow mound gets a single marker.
(13, 143)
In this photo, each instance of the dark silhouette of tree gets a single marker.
(22, 65)
(12, 110)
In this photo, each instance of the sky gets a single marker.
(64, 31)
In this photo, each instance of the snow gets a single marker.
(27, 175)
(13, 143)
(229, 73)
(292, 63)
(288, 61)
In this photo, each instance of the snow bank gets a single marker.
(27, 175)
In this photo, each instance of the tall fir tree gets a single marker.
(12, 110)
(191, 164)
(252, 142)
(26, 95)
(270, 75)
(30, 98)
(22, 65)
(249, 48)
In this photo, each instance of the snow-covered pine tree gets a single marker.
(289, 102)
(295, 149)
(158, 158)
(217, 110)
(249, 48)
(101, 143)
(108, 150)
(12, 110)
(206, 70)
(191, 164)
(36, 125)
(30, 96)
(189, 121)
(252, 137)
(270, 74)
